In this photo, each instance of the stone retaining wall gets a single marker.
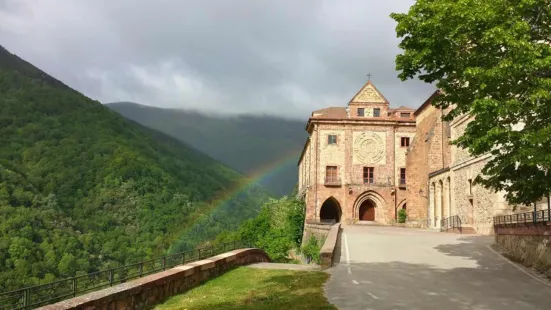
(313, 229)
(146, 292)
(327, 252)
(526, 243)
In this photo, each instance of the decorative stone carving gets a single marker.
(369, 148)
(369, 94)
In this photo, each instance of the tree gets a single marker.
(491, 59)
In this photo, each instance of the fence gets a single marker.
(44, 294)
(532, 217)
(450, 223)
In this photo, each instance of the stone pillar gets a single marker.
(439, 205)
(431, 214)
(449, 197)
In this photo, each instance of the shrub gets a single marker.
(311, 250)
(402, 215)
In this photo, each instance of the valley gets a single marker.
(265, 148)
(83, 189)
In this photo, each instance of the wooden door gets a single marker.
(367, 212)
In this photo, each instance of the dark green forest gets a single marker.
(246, 143)
(83, 189)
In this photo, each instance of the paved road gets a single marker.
(399, 268)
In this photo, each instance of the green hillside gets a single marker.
(248, 144)
(82, 188)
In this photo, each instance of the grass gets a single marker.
(248, 288)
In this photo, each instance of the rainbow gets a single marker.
(257, 177)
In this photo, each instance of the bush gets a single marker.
(311, 250)
(402, 215)
(277, 229)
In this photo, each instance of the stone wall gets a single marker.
(424, 156)
(146, 292)
(474, 204)
(527, 244)
(320, 231)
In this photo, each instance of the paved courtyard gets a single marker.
(399, 268)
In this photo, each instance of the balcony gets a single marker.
(333, 182)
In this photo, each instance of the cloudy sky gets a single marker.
(283, 58)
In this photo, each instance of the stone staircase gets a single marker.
(454, 224)
(464, 230)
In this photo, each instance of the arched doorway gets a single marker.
(370, 206)
(330, 211)
(367, 211)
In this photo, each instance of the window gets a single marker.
(332, 139)
(404, 114)
(368, 175)
(361, 112)
(331, 174)
(404, 141)
(376, 112)
(402, 176)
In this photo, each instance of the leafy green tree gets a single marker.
(67, 265)
(277, 229)
(491, 60)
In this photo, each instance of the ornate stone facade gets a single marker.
(359, 170)
(353, 158)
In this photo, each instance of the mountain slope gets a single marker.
(82, 188)
(254, 145)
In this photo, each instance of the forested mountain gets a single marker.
(253, 145)
(82, 188)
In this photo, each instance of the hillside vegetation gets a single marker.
(82, 188)
(253, 145)
(277, 229)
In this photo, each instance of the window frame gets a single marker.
(378, 114)
(405, 114)
(330, 177)
(403, 181)
(329, 139)
(407, 141)
(362, 110)
(370, 178)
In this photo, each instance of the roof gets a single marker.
(404, 108)
(426, 103)
(332, 112)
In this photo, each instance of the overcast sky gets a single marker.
(283, 58)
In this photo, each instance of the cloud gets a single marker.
(283, 58)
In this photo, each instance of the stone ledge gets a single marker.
(144, 293)
(328, 250)
(529, 229)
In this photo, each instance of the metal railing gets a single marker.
(44, 294)
(451, 222)
(532, 217)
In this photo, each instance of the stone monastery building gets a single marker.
(366, 161)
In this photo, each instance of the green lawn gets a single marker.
(248, 288)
